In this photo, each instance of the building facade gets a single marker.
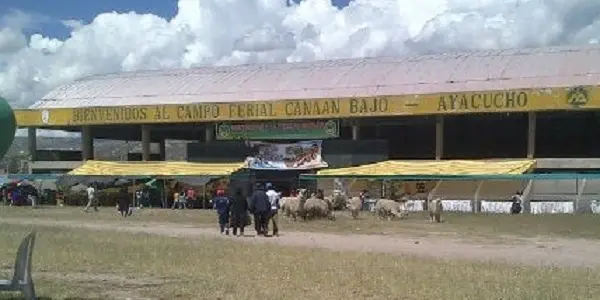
(530, 103)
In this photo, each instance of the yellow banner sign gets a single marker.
(484, 101)
(471, 102)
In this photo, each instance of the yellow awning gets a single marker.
(155, 168)
(435, 167)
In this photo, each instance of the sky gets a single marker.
(44, 44)
(84, 10)
(87, 10)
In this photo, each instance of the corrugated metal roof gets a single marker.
(450, 72)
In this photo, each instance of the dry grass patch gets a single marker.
(85, 264)
(465, 225)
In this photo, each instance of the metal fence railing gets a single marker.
(542, 193)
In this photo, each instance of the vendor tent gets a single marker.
(161, 169)
(427, 169)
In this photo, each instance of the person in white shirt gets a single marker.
(138, 198)
(274, 198)
(91, 194)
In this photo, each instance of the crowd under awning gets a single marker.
(430, 169)
(155, 169)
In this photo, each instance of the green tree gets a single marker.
(8, 126)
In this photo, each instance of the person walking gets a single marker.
(175, 200)
(139, 198)
(91, 194)
(274, 198)
(146, 197)
(123, 202)
(239, 212)
(260, 207)
(222, 205)
(190, 196)
(4, 195)
(15, 196)
(182, 200)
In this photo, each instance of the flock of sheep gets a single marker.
(310, 208)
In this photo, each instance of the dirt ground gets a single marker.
(537, 252)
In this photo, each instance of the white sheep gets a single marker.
(390, 209)
(435, 209)
(293, 206)
(316, 208)
(354, 205)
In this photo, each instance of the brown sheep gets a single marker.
(338, 200)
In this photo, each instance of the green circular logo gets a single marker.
(224, 131)
(331, 128)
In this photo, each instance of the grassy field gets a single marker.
(81, 264)
(465, 224)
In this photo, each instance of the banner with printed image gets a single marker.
(303, 155)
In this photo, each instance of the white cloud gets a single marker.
(225, 32)
(72, 24)
(17, 19)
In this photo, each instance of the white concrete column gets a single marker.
(87, 143)
(476, 203)
(32, 143)
(146, 142)
(580, 204)
(527, 193)
(355, 132)
(162, 148)
(439, 137)
(531, 130)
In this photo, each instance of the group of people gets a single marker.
(123, 205)
(142, 197)
(263, 205)
(20, 193)
(182, 198)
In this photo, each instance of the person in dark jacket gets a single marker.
(239, 212)
(517, 203)
(260, 207)
(123, 202)
(222, 205)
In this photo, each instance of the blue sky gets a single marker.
(51, 12)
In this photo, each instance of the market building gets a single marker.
(537, 104)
